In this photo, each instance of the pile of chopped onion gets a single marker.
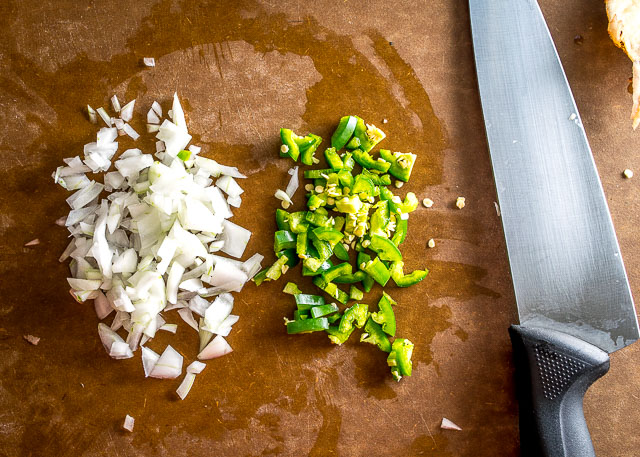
(148, 247)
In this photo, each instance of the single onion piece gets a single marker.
(294, 182)
(130, 131)
(235, 239)
(171, 328)
(120, 350)
(185, 385)
(187, 316)
(196, 367)
(169, 365)
(92, 115)
(33, 242)
(157, 108)
(234, 201)
(105, 117)
(128, 423)
(152, 117)
(195, 149)
(448, 425)
(282, 195)
(115, 103)
(109, 337)
(149, 360)
(126, 114)
(216, 348)
(177, 113)
(149, 61)
(102, 306)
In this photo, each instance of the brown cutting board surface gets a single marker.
(243, 70)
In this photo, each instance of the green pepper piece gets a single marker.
(332, 318)
(184, 155)
(385, 315)
(260, 277)
(399, 358)
(359, 245)
(282, 219)
(387, 195)
(292, 289)
(367, 283)
(373, 334)
(275, 271)
(338, 337)
(299, 315)
(357, 276)
(336, 271)
(307, 325)
(362, 258)
(315, 201)
(345, 129)
(317, 173)
(323, 310)
(366, 161)
(324, 266)
(401, 231)
(378, 271)
(380, 219)
(369, 135)
(332, 236)
(403, 280)
(323, 247)
(331, 289)
(409, 204)
(355, 293)
(349, 205)
(354, 143)
(401, 164)
(291, 255)
(363, 186)
(333, 158)
(284, 239)
(297, 222)
(347, 161)
(307, 299)
(308, 152)
(338, 223)
(340, 251)
(378, 180)
(346, 178)
(318, 219)
(356, 315)
(288, 139)
(385, 248)
(301, 245)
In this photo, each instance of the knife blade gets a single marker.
(571, 288)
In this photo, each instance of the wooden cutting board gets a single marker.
(243, 70)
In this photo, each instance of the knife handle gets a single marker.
(553, 371)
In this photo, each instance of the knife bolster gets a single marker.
(553, 371)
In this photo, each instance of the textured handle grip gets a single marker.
(553, 371)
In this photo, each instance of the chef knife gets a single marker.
(572, 292)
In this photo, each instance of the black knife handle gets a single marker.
(553, 371)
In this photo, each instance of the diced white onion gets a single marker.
(216, 348)
(185, 385)
(128, 423)
(126, 114)
(149, 61)
(115, 103)
(294, 182)
(168, 366)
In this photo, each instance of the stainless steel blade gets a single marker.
(565, 261)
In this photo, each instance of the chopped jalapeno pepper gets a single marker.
(282, 219)
(354, 143)
(403, 280)
(291, 255)
(318, 219)
(350, 204)
(401, 164)
(346, 178)
(357, 276)
(315, 174)
(297, 222)
(378, 271)
(366, 161)
(409, 204)
(334, 317)
(260, 276)
(308, 150)
(292, 289)
(380, 219)
(363, 186)
(399, 358)
(307, 299)
(299, 314)
(331, 289)
(401, 232)
(301, 245)
(341, 252)
(291, 147)
(307, 325)
(184, 155)
(373, 334)
(338, 337)
(355, 293)
(385, 248)
(369, 135)
(284, 239)
(336, 271)
(333, 159)
(275, 271)
(323, 310)
(344, 131)
(356, 315)
(385, 316)
(331, 236)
